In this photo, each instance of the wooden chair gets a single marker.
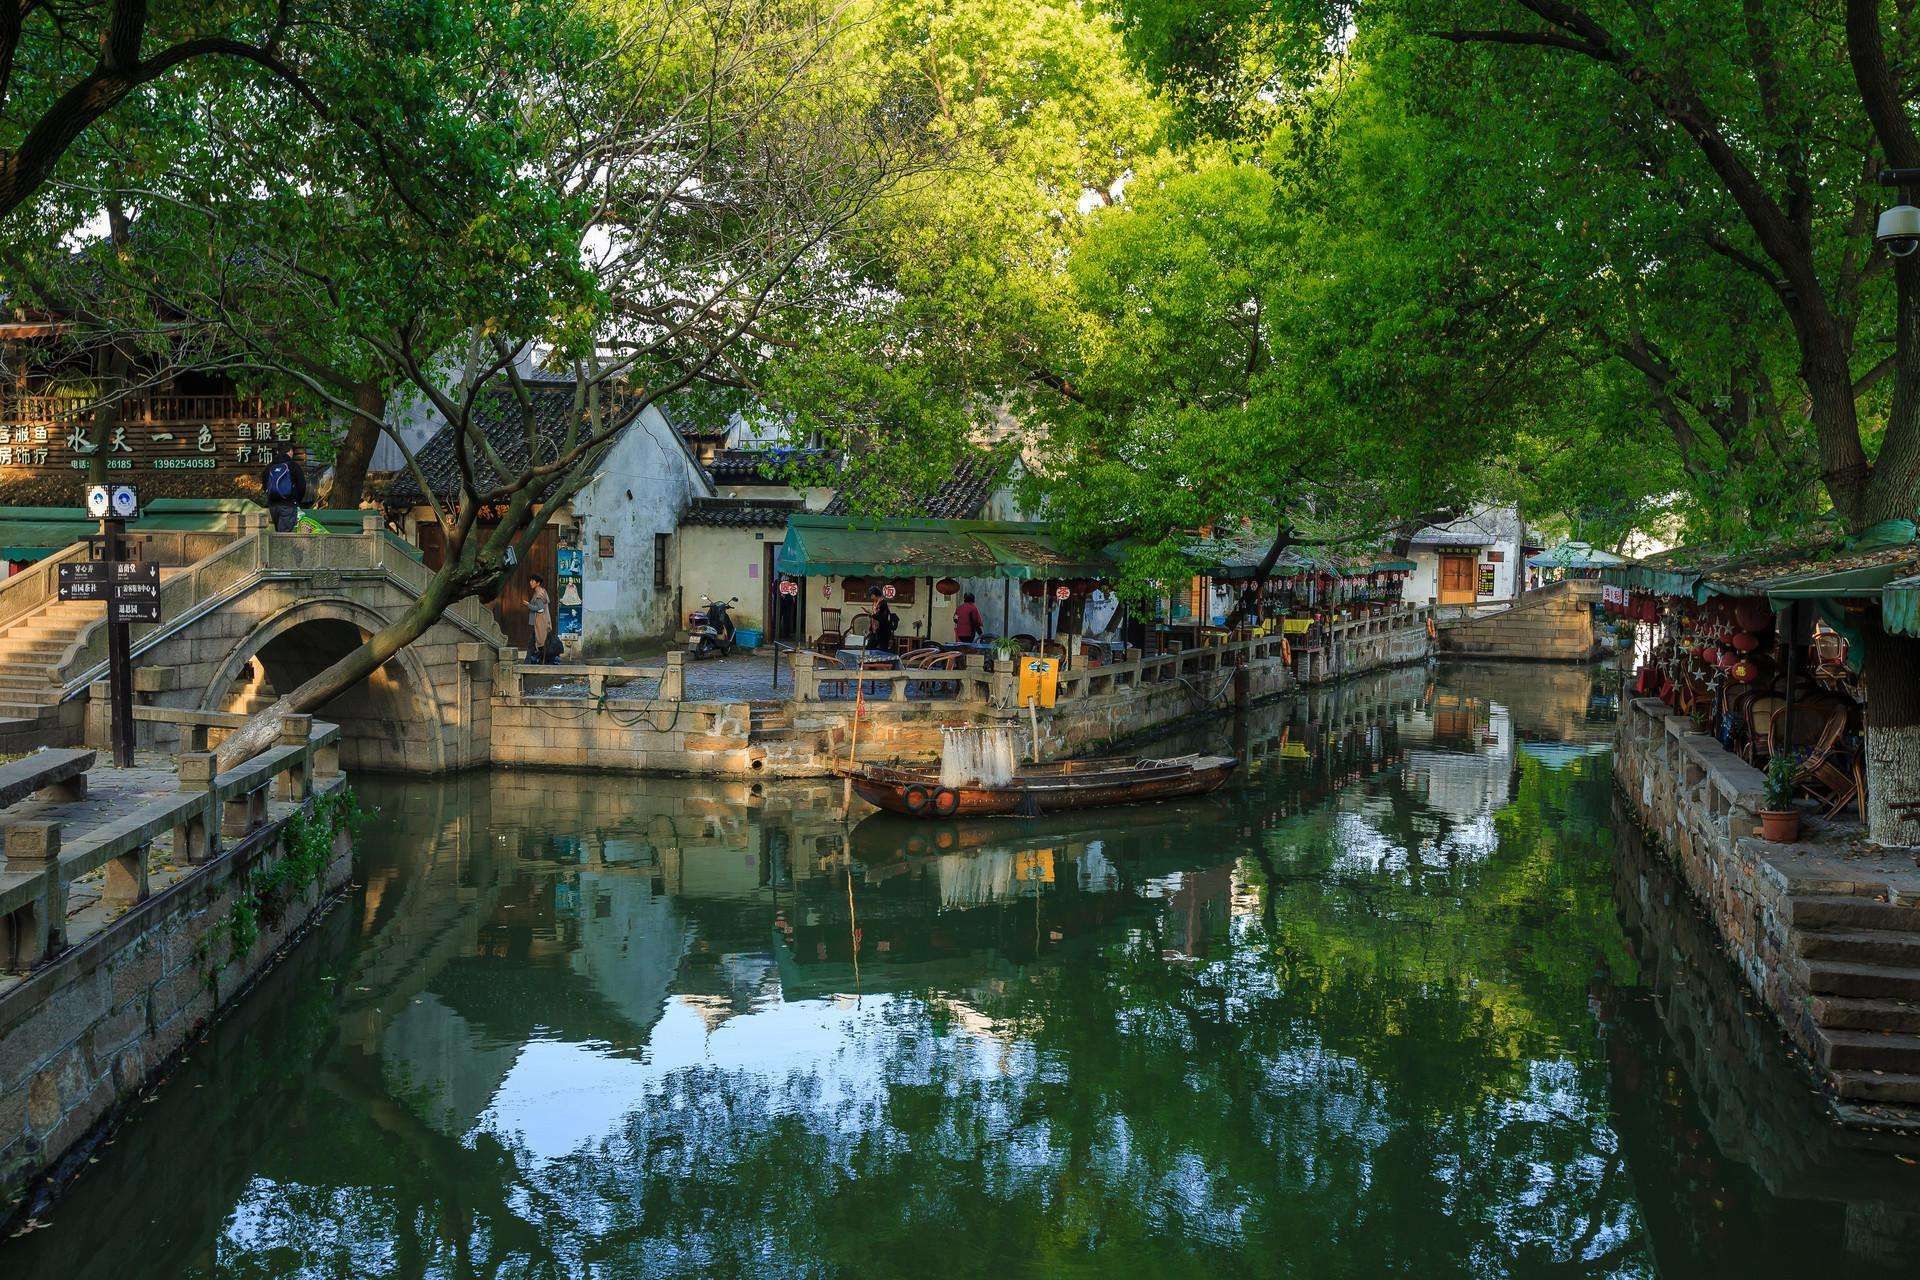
(831, 688)
(1759, 711)
(828, 643)
(935, 661)
(1825, 772)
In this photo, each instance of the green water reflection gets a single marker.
(1404, 1000)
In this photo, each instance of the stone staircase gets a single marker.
(30, 652)
(1551, 624)
(1859, 960)
(32, 648)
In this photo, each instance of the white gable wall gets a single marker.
(643, 487)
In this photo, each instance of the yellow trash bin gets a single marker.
(1039, 680)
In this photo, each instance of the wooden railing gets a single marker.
(205, 813)
(141, 409)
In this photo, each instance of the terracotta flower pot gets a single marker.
(1782, 828)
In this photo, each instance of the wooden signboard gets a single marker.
(161, 441)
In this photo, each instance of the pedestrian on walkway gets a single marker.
(540, 615)
(967, 623)
(885, 622)
(285, 484)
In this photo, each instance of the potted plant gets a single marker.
(1779, 820)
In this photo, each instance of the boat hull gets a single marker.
(919, 794)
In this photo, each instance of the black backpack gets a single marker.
(280, 480)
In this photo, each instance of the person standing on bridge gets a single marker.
(285, 484)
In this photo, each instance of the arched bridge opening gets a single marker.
(392, 720)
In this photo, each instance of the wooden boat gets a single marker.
(1041, 788)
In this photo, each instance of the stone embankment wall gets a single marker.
(1553, 624)
(1824, 932)
(83, 1036)
(809, 735)
(1703, 804)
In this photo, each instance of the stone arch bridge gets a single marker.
(248, 621)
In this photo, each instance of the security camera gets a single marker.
(1899, 230)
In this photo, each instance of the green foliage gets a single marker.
(1656, 375)
(1783, 769)
(306, 843)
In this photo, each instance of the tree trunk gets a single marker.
(263, 730)
(1890, 668)
(349, 482)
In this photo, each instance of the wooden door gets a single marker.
(783, 613)
(1459, 580)
(510, 606)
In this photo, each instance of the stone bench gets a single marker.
(63, 772)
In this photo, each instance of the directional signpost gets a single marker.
(131, 591)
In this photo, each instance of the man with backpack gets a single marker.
(285, 485)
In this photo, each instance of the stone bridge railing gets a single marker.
(206, 810)
(37, 585)
(325, 562)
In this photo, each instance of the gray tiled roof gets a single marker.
(959, 497)
(754, 466)
(499, 416)
(742, 513)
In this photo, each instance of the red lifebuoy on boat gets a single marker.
(916, 798)
(945, 802)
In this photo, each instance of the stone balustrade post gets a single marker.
(596, 684)
(372, 521)
(127, 882)
(806, 682)
(99, 714)
(193, 838)
(296, 783)
(326, 759)
(673, 685)
(33, 932)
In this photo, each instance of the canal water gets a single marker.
(1407, 999)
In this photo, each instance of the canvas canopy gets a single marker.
(1574, 555)
(846, 546)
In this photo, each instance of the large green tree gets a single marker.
(1690, 193)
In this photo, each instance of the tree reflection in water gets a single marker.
(1371, 1011)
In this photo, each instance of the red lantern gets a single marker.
(1033, 589)
(947, 586)
(1753, 613)
(1744, 641)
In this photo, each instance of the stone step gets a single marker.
(1852, 911)
(21, 711)
(1858, 1013)
(1876, 1086)
(1890, 1051)
(1846, 978)
(1892, 947)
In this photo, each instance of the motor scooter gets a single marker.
(712, 629)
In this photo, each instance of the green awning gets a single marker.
(1036, 553)
(847, 546)
(1865, 580)
(1574, 555)
(32, 533)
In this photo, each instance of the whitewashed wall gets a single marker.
(643, 487)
